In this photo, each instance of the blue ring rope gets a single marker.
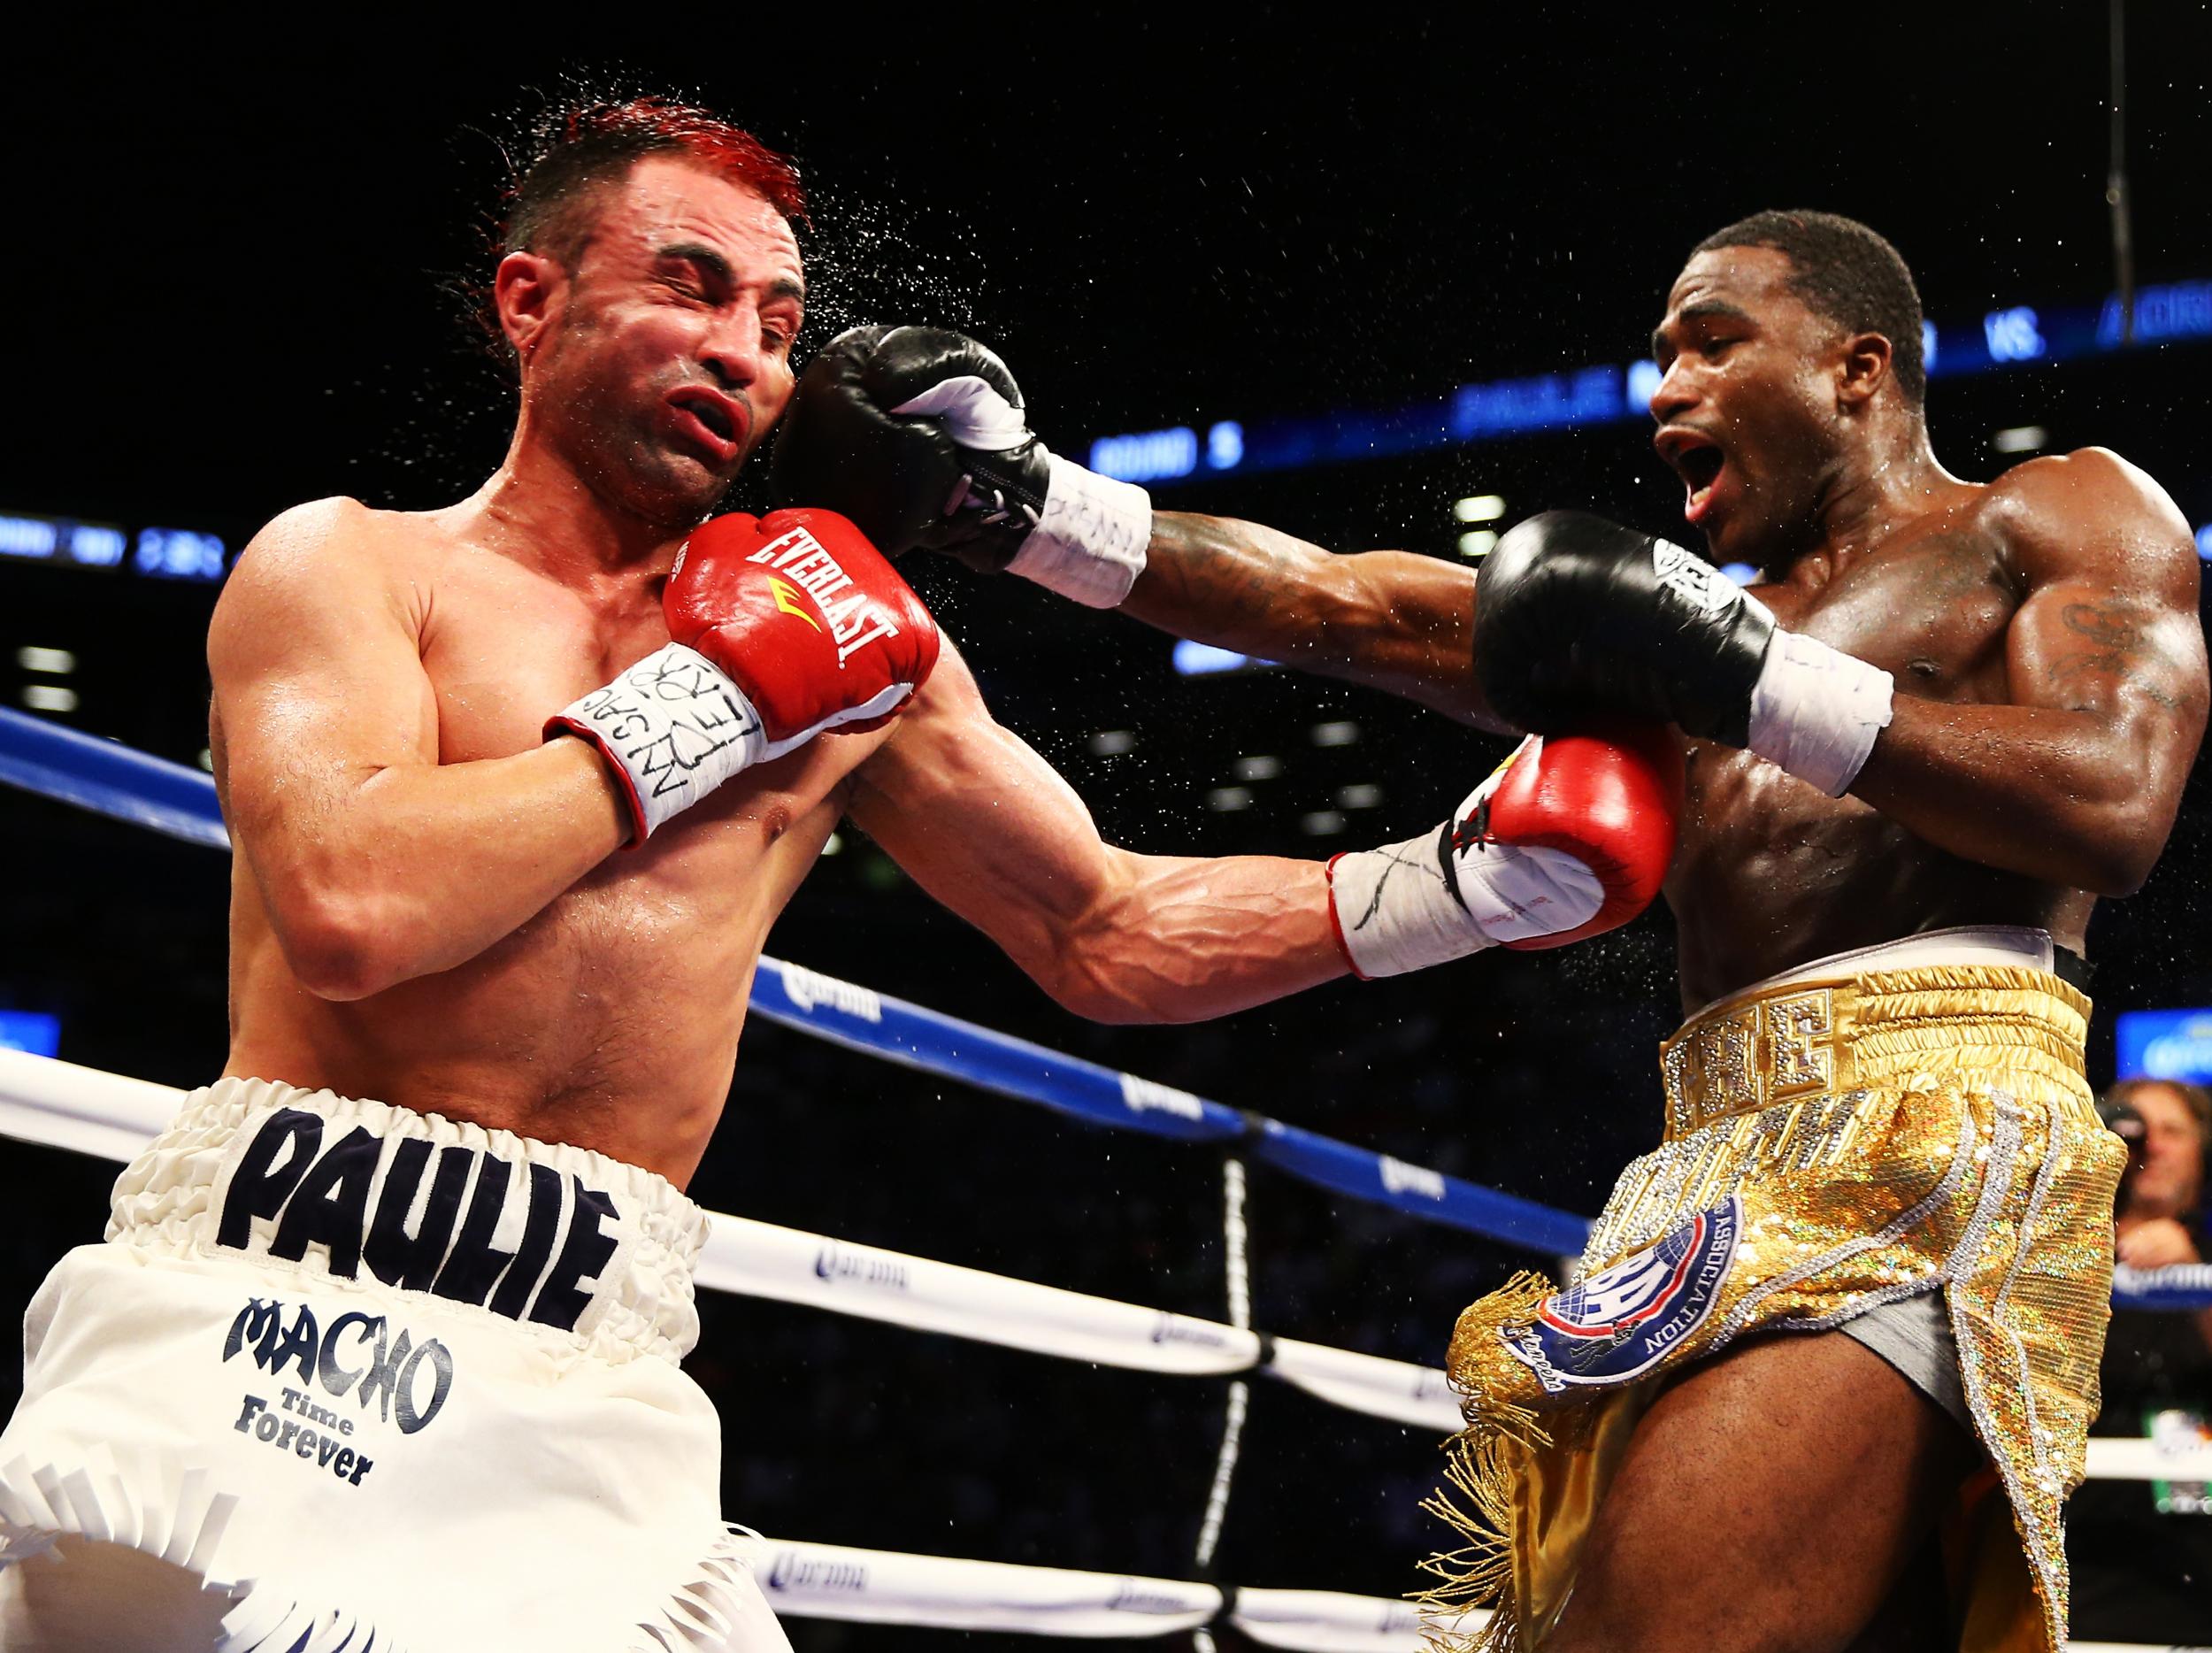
(131, 786)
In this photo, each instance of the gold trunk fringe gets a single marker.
(1478, 1500)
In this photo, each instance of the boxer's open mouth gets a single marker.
(718, 417)
(1698, 460)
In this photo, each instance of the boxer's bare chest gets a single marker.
(505, 646)
(609, 1018)
(1772, 873)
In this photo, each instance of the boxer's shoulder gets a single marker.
(340, 526)
(317, 567)
(340, 542)
(2064, 510)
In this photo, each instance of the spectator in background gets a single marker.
(2141, 1551)
(2162, 1195)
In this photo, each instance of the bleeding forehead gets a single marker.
(1755, 280)
(667, 199)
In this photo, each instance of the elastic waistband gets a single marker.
(542, 1234)
(2021, 946)
(1805, 1038)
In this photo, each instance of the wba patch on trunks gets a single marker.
(518, 1238)
(1620, 1322)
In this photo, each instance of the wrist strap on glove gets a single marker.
(1090, 540)
(1815, 711)
(672, 728)
(1453, 892)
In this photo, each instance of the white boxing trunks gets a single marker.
(373, 1372)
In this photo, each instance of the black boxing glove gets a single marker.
(1577, 617)
(917, 434)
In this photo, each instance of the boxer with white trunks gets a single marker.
(382, 1347)
(1949, 717)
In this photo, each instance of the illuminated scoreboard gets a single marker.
(178, 554)
(109, 548)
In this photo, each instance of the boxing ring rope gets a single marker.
(60, 1104)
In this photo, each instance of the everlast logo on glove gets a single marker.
(806, 562)
(537, 1248)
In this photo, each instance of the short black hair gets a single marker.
(1848, 273)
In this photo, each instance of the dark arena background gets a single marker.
(1375, 283)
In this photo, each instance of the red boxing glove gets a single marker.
(1568, 838)
(1613, 802)
(805, 616)
(782, 627)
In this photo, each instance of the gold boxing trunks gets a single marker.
(1832, 1144)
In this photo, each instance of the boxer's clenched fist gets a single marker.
(919, 435)
(781, 626)
(1568, 838)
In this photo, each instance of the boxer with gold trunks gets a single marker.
(382, 1346)
(1946, 718)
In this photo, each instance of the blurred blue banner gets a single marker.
(2164, 1044)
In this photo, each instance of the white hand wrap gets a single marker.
(1394, 911)
(1090, 544)
(672, 728)
(1816, 710)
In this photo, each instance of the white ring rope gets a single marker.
(880, 1587)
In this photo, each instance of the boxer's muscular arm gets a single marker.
(1391, 620)
(986, 827)
(375, 863)
(2078, 780)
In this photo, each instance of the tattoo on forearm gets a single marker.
(1399, 622)
(1229, 577)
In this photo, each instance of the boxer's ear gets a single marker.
(1863, 369)
(527, 291)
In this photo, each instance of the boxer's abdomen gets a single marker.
(1771, 873)
(609, 1021)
